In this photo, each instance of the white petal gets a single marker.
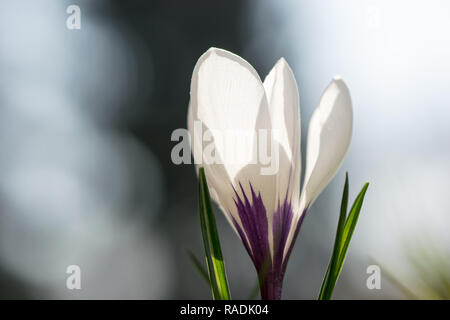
(329, 136)
(282, 95)
(228, 97)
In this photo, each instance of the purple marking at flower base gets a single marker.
(254, 222)
(255, 236)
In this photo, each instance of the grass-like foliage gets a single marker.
(346, 227)
(213, 252)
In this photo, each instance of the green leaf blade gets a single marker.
(350, 224)
(327, 283)
(344, 233)
(213, 252)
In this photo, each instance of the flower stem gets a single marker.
(271, 286)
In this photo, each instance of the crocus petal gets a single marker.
(228, 96)
(329, 136)
(282, 95)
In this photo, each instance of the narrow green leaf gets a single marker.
(213, 252)
(326, 284)
(350, 226)
(344, 233)
(198, 265)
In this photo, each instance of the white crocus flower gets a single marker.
(266, 210)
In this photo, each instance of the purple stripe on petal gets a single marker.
(282, 220)
(254, 232)
(243, 236)
(254, 222)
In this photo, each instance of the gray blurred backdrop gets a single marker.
(86, 117)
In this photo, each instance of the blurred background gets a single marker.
(86, 117)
